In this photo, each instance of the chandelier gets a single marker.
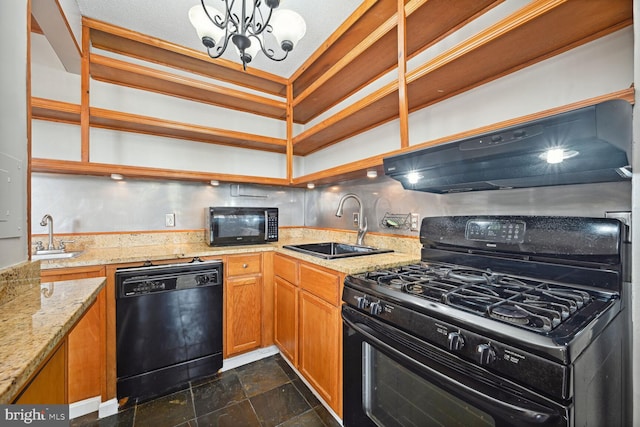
(245, 25)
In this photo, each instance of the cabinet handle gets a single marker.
(245, 265)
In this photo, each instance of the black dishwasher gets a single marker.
(168, 327)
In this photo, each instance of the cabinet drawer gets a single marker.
(323, 284)
(285, 268)
(238, 265)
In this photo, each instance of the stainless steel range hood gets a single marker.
(591, 144)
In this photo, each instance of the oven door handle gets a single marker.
(541, 415)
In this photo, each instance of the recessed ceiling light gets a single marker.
(117, 177)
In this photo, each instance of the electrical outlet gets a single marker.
(415, 222)
(170, 220)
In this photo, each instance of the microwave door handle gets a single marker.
(266, 226)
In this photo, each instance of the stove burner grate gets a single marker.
(527, 303)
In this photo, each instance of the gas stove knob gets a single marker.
(485, 354)
(455, 340)
(363, 302)
(375, 308)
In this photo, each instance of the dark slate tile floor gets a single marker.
(263, 393)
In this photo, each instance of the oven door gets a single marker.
(393, 379)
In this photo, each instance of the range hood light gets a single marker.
(557, 155)
(413, 177)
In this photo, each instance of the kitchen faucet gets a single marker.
(362, 220)
(48, 220)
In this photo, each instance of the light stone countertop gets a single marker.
(34, 322)
(119, 255)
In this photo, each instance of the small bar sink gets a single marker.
(46, 255)
(333, 250)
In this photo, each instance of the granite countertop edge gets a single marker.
(106, 256)
(33, 325)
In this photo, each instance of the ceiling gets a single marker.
(168, 20)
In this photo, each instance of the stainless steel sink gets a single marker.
(54, 254)
(333, 250)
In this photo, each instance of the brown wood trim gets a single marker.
(402, 76)
(122, 73)
(289, 132)
(136, 45)
(85, 87)
(29, 24)
(116, 120)
(55, 111)
(35, 27)
(105, 169)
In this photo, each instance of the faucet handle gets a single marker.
(39, 246)
(63, 242)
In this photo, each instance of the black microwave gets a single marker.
(240, 225)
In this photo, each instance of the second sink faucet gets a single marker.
(362, 221)
(48, 220)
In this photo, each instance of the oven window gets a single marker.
(395, 396)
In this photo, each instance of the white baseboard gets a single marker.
(108, 408)
(84, 407)
(252, 356)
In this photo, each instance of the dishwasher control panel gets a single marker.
(174, 277)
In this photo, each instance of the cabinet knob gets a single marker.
(245, 265)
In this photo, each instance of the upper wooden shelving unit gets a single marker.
(358, 57)
(363, 49)
(534, 33)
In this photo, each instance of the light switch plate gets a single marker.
(170, 220)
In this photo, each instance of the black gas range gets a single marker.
(519, 310)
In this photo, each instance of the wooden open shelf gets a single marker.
(534, 33)
(45, 109)
(130, 43)
(124, 73)
(362, 56)
(105, 169)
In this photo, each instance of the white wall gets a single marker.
(13, 137)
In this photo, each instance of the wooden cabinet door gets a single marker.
(243, 314)
(286, 318)
(320, 350)
(87, 349)
(48, 386)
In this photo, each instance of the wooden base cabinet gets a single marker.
(243, 303)
(308, 326)
(86, 342)
(49, 385)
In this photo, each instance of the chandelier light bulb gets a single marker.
(288, 28)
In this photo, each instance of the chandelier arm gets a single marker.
(270, 53)
(258, 27)
(220, 49)
(222, 24)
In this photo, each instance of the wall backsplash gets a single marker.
(85, 204)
